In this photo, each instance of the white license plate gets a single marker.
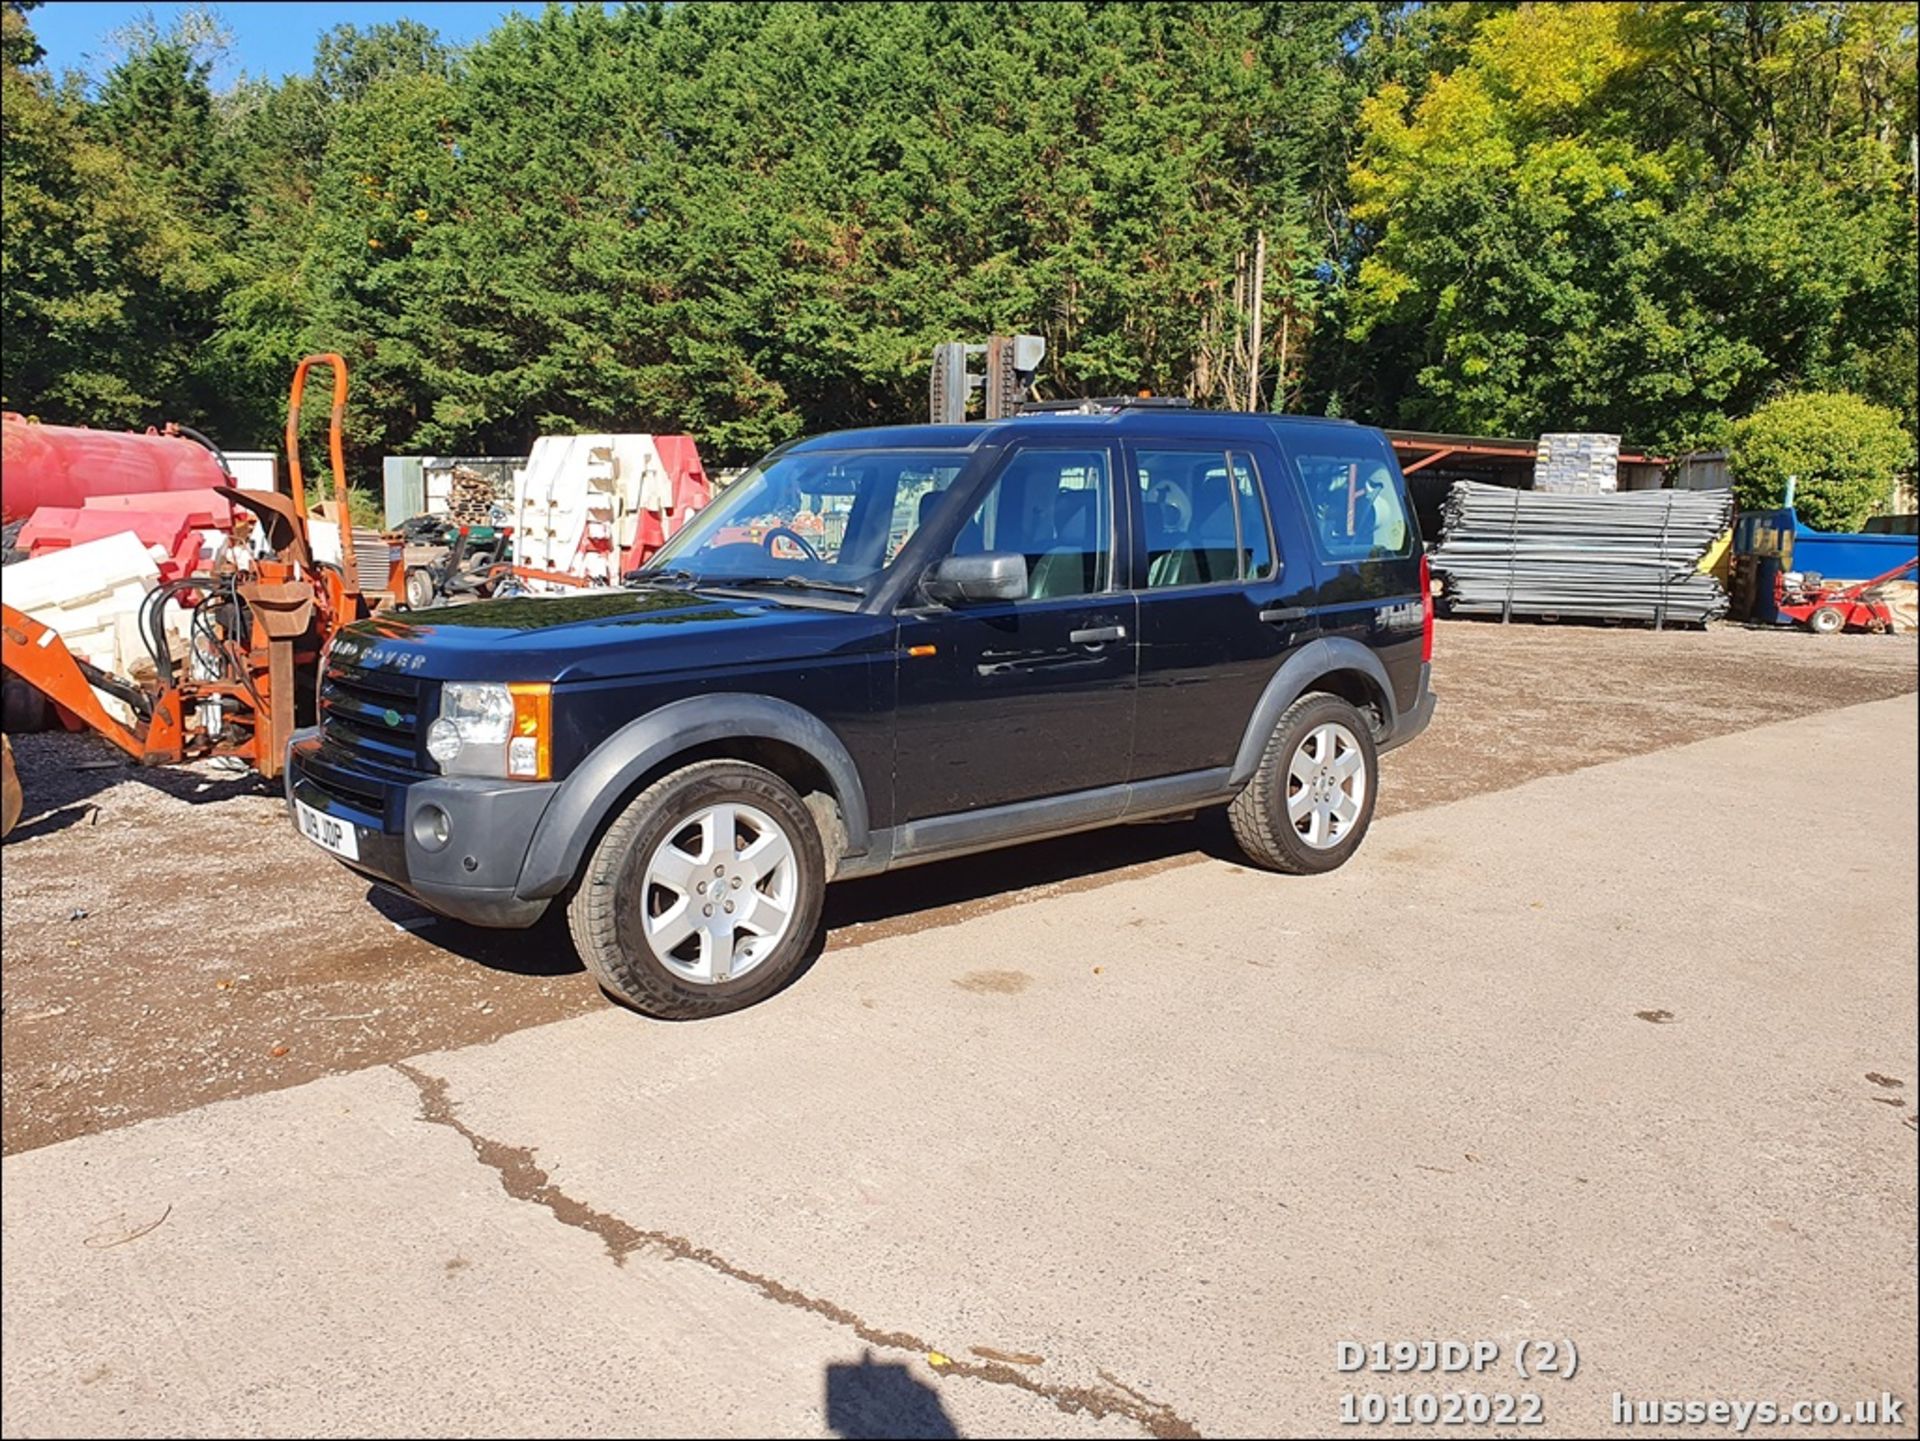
(326, 832)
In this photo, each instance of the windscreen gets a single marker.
(836, 517)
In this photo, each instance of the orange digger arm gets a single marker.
(336, 452)
(37, 655)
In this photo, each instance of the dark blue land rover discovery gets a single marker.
(884, 647)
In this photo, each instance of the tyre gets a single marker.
(1308, 805)
(704, 894)
(22, 708)
(1827, 620)
(419, 587)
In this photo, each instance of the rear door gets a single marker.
(1017, 700)
(1223, 599)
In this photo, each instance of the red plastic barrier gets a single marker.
(199, 507)
(691, 492)
(55, 527)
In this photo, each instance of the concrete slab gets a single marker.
(1625, 1057)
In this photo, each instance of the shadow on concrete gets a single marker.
(917, 896)
(1038, 863)
(542, 949)
(883, 1398)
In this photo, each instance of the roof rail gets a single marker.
(1103, 404)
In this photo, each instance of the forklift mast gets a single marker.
(1011, 362)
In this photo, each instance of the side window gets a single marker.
(1205, 518)
(1354, 506)
(1256, 544)
(1055, 507)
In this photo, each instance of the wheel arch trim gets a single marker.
(1312, 662)
(586, 798)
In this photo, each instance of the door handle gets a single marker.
(1099, 635)
(1278, 614)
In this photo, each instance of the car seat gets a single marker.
(969, 541)
(1212, 537)
(1170, 559)
(1157, 531)
(1071, 564)
(1206, 552)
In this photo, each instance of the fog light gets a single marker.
(432, 827)
(443, 741)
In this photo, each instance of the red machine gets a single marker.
(1826, 608)
(257, 625)
(62, 465)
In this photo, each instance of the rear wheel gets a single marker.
(1309, 804)
(703, 896)
(1827, 620)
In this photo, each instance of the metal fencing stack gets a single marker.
(1632, 555)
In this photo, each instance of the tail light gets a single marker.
(1426, 610)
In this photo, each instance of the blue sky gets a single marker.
(269, 39)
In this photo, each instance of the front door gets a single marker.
(1017, 700)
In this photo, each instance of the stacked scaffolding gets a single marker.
(1634, 555)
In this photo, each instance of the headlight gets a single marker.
(488, 729)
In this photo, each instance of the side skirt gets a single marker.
(939, 838)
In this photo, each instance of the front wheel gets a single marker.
(704, 895)
(1827, 620)
(420, 587)
(1309, 804)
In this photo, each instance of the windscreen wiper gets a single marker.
(683, 578)
(791, 582)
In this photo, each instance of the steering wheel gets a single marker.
(798, 539)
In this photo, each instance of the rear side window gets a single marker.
(1205, 518)
(1354, 506)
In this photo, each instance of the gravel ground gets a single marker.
(171, 941)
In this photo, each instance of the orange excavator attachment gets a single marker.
(12, 799)
(37, 655)
(282, 609)
(336, 453)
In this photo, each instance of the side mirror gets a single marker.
(991, 575)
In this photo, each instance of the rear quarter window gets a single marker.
(1354, 505)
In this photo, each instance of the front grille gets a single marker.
(371, 716)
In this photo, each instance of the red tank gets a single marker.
(64, 464)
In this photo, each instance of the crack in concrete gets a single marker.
(523, 1178)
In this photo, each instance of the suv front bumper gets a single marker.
(473, 874)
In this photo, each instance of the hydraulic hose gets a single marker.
(113, 685)
(218, 454)
(152, 624)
